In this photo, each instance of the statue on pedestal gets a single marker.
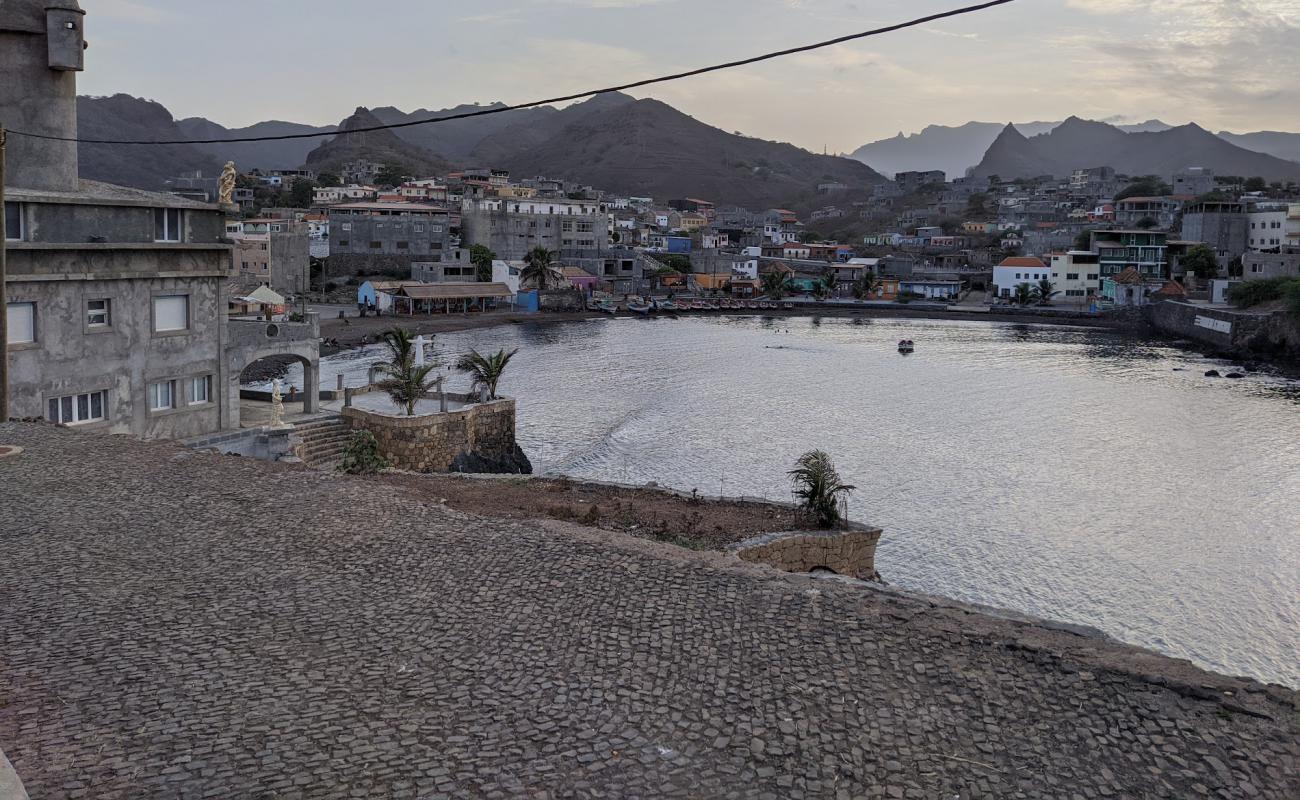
(277, 405)
(226, 184)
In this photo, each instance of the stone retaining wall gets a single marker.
(851, 553)
(479, 438)
(1243, 332)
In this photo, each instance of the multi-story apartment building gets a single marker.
(912, 180)
(1221, 226)
(115, 297)
(511, 227)
(1273, 226)
(1144, 250)
(380, 236)
(1194, 181)
(1160, 212)
(272, 252)
(1076, 274)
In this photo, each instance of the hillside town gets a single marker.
(262, 536)
(1092, 240)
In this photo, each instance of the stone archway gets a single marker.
(251, 341)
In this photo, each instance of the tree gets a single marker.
(539, 269)
(404, 381)
(865, 286)
(1255, 184)
(1146, 186)
(328, 179)
(1023, 294)
(486, 370)
(1083, 241)
(302, 194)
(975, 204)
(391, 175)
(482, 257)
(1044, 291)
(777, 284)
(818, 487)
(1201, 262)
(826, 285)
(1146, 223)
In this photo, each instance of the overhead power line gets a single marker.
(956, 12)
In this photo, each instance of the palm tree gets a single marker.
(539, 269)
(865, 286)
(826, 285)
(777, 284)
(1024, 294)
(405, 381)
(486, 370)
(818, 487)
(1045, 291)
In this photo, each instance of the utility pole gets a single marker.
(4, 295)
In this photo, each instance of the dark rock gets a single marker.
(513, 463)
(1211, 373)
(1234, 375)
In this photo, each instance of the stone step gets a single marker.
(320, 451)
(328, 436)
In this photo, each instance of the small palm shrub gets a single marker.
(818, 487)
(361, 456)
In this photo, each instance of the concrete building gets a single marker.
(1284, 264)
(510, 227)
(1076, 275)
(1160, 211)
(115, 296)
(1194, 181)
(912, 180)
(1273, 226)
(374, 237)
(1221, 226)
(273, 252)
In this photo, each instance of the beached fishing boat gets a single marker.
(638, 307)
(906, 346)
(788, 306)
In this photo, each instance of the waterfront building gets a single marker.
(1144, 250)
(116, 297)
(1016, 270)
(1076, 274)
(1221, 226)
(272, 252)
(377, 236)
(510, 227)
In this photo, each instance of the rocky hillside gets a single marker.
(648, 147)
(286, 154)
(1079, 143)
(124, 117)
(384, 147)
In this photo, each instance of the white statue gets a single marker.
(226, 184)
(277, 405)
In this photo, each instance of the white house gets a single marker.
(1017, 270)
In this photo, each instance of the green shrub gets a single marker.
(361, 456)
(1252, 293)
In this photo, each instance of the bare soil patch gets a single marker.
(648, 513)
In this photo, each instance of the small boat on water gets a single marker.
(751, 305)
(905, 346)
(699, 305)
(788, 306)
(667, 305)
(638, 307)
(609, 307)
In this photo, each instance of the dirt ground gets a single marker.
(340, 334)
(648, 513)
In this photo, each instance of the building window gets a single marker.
(201, 390)
(76, 409)
(343, 242)
(22, 323)
(419, 228)
(167, 224)
(403, 245)
(99, 313)
(162, 395)
(171, 313)
(13, 222)
(347, 226)
(375, 245)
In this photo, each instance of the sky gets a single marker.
(1224, 64)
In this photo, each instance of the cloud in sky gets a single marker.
(1223, 63)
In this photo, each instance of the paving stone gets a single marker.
(219, 627)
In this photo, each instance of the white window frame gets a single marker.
(185, 298)
(21, 226)
(11, 328)
(73, 403)
(167, 234)
(205, 382)
(155, 396)
(106, 312)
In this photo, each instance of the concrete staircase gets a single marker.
(323, 441)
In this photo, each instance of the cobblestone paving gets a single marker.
(180, 625)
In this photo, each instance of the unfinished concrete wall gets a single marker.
(851, 553)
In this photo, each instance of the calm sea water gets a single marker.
(1071, 473)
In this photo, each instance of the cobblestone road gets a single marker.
(179, 625)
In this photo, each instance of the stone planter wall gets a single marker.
(851, 553)
(479, 434)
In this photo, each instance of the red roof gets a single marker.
(1022, 261)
